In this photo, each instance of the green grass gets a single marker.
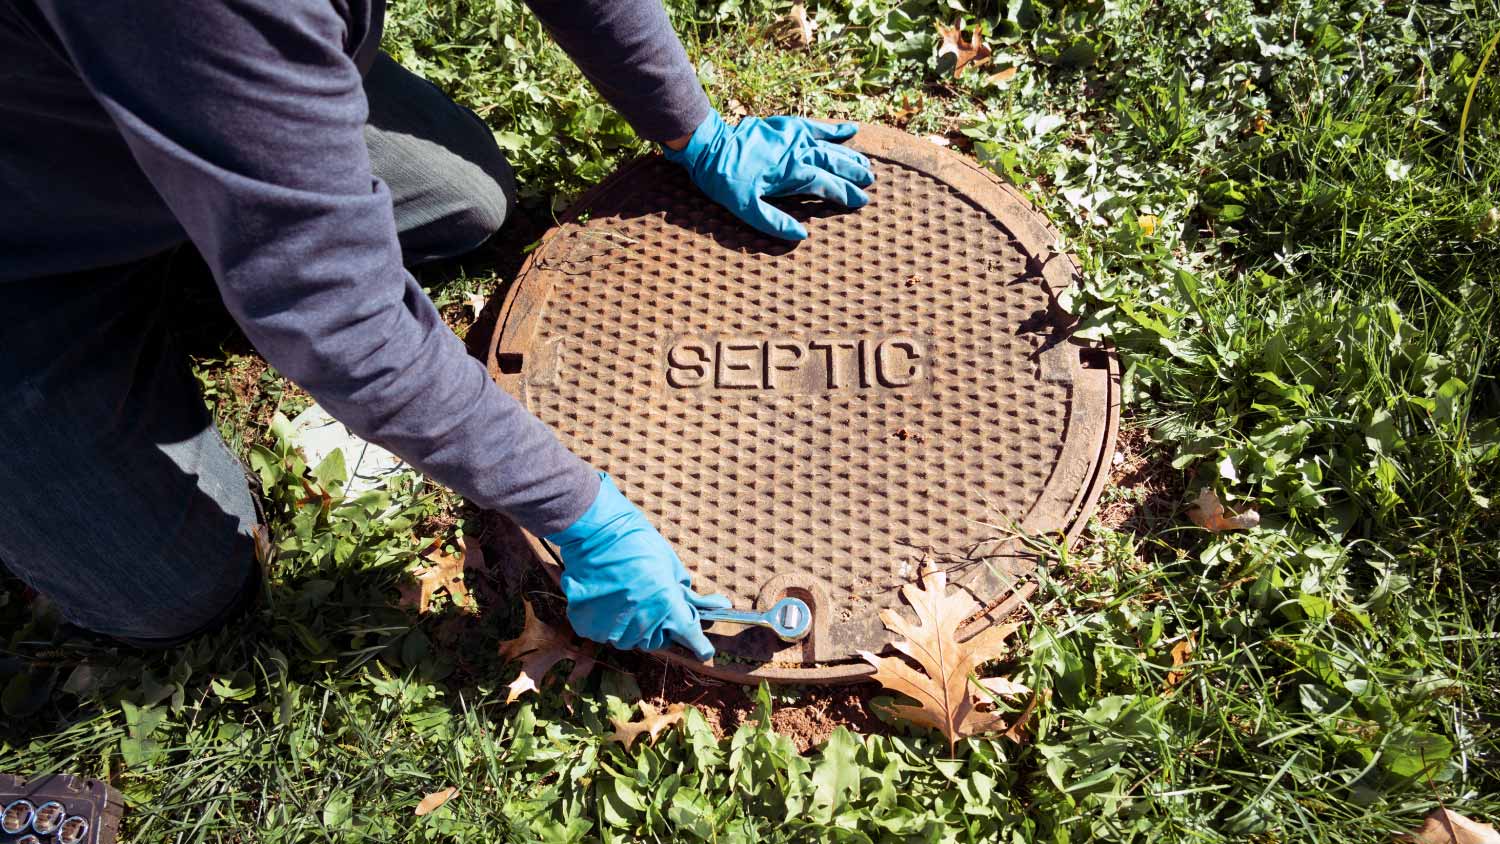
(1309, 326)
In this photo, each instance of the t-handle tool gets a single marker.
(789, 618)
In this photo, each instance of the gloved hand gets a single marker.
(738, 166)
(624, 583)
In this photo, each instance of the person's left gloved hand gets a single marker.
(624, 584)
(740, 166)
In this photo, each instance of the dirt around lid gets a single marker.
(818, 419)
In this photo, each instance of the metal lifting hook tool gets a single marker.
(789, 618)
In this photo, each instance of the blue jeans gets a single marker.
(118, 498)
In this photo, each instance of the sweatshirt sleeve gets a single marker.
(628, 49)
(247, 117)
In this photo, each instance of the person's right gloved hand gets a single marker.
(624, 584)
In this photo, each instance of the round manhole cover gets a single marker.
(825, 418)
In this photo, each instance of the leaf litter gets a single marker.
(446, 572)
(1182, 652)
(948, 698)
(539, 647)
(974, 51)
(795, 29)
(653, 722)
(431, 802)
(1445, 826)
(808, 719)
(1209, 513)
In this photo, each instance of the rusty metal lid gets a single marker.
(820, 419)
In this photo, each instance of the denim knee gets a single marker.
(489, 201)
(119, 501)
(451, 187)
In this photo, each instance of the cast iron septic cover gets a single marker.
(821, 419)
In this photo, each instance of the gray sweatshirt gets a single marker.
(129, 126)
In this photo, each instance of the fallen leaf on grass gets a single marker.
(907, 110)
(963, 52)
(1209, 513)
(1000, 77)
(446, 573)
(539, 647)
(946, 699)
(794, 29)
(1181, 653)
(260, 539)
(431, 802)
(1444, 826)
(1019, 730)
(315, 494)
(652, 722)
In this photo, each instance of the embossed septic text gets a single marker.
(797, 365)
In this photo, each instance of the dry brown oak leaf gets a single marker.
(431, 802)
(906, 111)
(652, 722)
(1444, 826)
(946, 699)
(963, 52)
(1208, 512)
(446, 573)
(541, 646)
(1001, 76)
(1181, 653)
(795, 29)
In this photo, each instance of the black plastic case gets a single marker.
(95, 802)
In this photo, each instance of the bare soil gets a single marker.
(1145, 492)
(808, 720)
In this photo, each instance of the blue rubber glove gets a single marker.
(624, 583)
(740, 166)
